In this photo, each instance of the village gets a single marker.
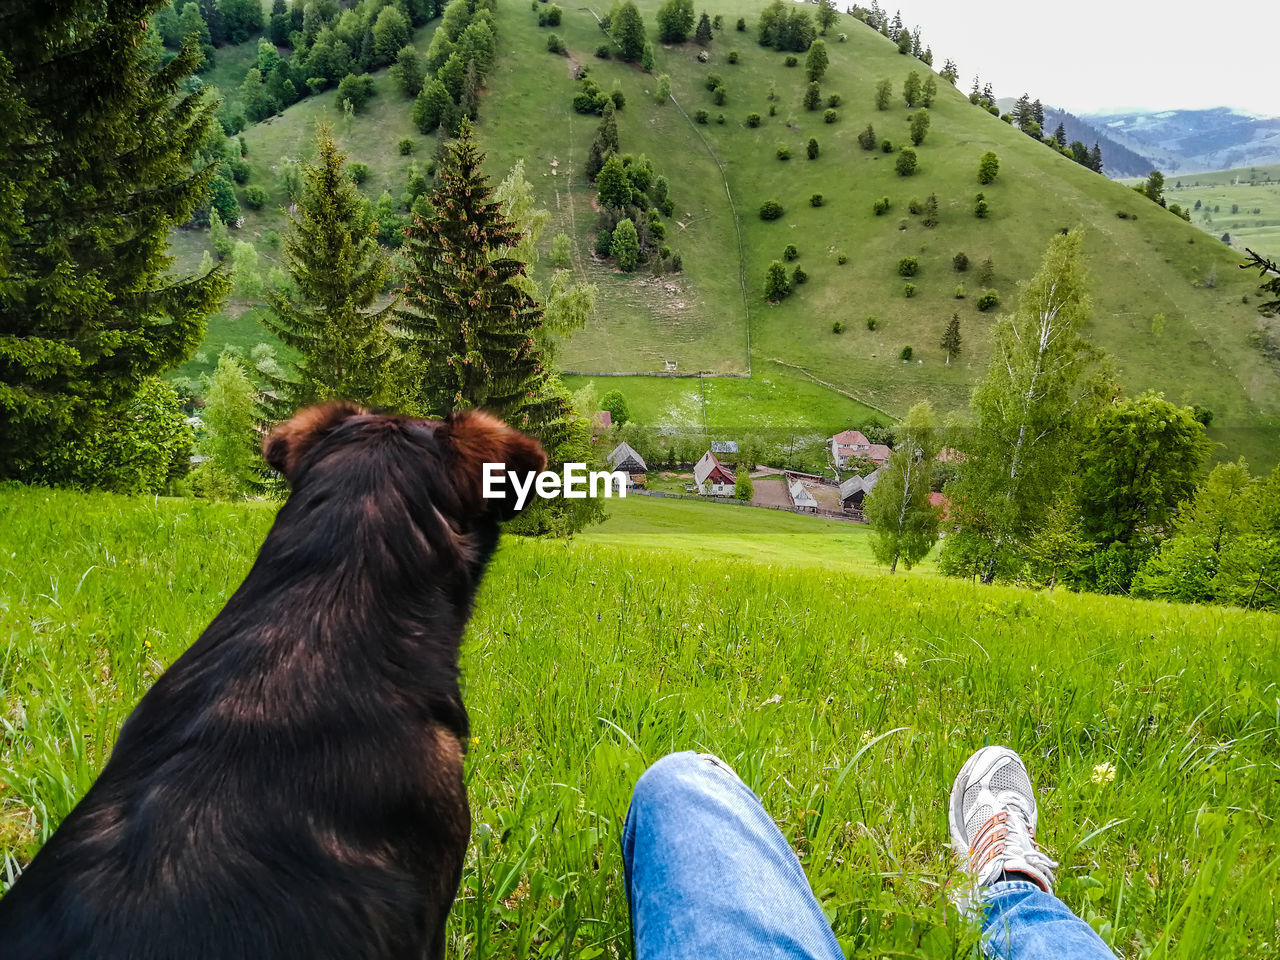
(849, 451)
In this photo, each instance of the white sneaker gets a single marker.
(993, 819)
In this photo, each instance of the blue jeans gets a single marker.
(710, 876)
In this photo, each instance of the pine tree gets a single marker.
(1095, 159)
(613, 185)
(280, 23)
(1037, 113)
(625, 245)
(1060, 136)
(951, 338)
(816, 60)
(904, 523)
(1023, 114)
(777, 285)
(930, 91)
(627, 29)
(472, 331)
(703, 33)
(88, 310)
(338, 270)
(605, 142)
(930, 211)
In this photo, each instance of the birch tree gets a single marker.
(904, 523)
(1043, 385)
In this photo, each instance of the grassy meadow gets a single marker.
(846, 698)
(1247, 189)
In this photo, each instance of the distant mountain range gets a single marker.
(1118, 161)
(1190, 141)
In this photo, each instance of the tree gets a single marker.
(627, 29)
(1095, 159)
(911, 89)
(280, 24)
(471, 331)
(407, 71)
(616, 404)
(90, 312)
(743, 487)
(356, 89)
(884, 94)
(951, 338)
(231, 433)
(930, 91)
(675, 21)
(816, 61)
(613, 185)
(930, 212)
(1060, 136)
(243, 18)
(904, 524)
(625, 245)
(867, 138)
(812, 97)
(338, 271)
(919, 126)
(777, 285)
(904, 41)
(988, 167)
(811, 149)
(1154, 187)
(906, 163)
(432, 106)
(703, 33)
(1043, 384)
(662, 93)
(646, 58)
(826, 15)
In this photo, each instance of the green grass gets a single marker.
(846, 699)
(1249, 189)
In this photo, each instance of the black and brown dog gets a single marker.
(292, 785)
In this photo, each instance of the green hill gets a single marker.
(847, 700)
(1170, 303)
(1244, 203)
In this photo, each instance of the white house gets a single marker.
(712, 478)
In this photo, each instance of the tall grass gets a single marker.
(847, 702)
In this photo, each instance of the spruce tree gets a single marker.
(98, 141)
(703, 34)
(338, 270)
(471, 330)
(951, 338)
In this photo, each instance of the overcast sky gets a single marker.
(1095, 55)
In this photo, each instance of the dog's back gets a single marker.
(292, 785)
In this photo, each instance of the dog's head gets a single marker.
(444, 459)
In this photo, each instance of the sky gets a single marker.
(1088, 56)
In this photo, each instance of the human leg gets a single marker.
(710, 876)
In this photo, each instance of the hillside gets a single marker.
(847, 700)
(1183, 141)
(1118, 160)
(1149, 263)
(1243, 203)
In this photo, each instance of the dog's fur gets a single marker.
(292, 785)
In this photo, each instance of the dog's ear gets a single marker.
(286, 445)
(474, 438)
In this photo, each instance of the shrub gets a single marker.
(908, 267)
(959, 294)
(980, 208)
(790, 252)
(906, 165)
(255, 197)
(771, 210)
(713, 80)
(798, 276)
(988, 167)
(830, 116)
(701, 116)
(915, 207)
(886, 145)
(784, 153)
(960, 262)
(357, 171)
(405, 146)
(604, 241)
(603, 51)
(790, 61)
(812, 96)
(618, 97)
(842, 258)
(906, 353)
(556, 45)
(833, 100)
(815, 200)
(677, 263)
(837, 327)
(773, 109)
(873, 323)
(742, 24)
(811, 148)
(356, 87)
(776, 284)
(719, 95)
(733, 56)
(867, 138)
(720, 118)
(988, 301)
(753, 119)
(881, 206)
(908, 290)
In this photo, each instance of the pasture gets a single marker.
(846, 698)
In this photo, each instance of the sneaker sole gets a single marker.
(975, 768)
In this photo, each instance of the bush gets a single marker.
(357, 171)
(753, 119)
(867, 138)
(988, 301)
(405, 146)
(553, 15)
(906, 353)
(733, 56)
(790, 252)
(603, 51)
(719, 95)
(701, 116)
(881, 206)
(837, 327)
(720, 118)
(873, 323)
(886, 145)
(776, 284)
(239, 170)
(790, 61)
(811, 148)
(842, 259)
(713, 80)
(799, 276)
(908, 267)
(784, 153)
(815, 200)
(677, 263)
(556, 45)
(915, 207)
(960, 262)
(906, 165)
(830, 116)
(616, 404)
(356, 87)
(908, 290)
(618, 97)
(255, 197)
(771, 210)
(959, 294)
(988, 168)
(980, 208)
(742, 24)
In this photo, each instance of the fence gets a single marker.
(851, 517)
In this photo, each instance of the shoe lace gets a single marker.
(1002, 838)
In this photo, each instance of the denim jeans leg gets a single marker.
(710, 876)
(1022, 922)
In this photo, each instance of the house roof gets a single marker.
(709, 467)
(624, 457)
(859, 484)
(878, 452)
(800, 496)
(850, 438)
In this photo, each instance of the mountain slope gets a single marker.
(1183, 141)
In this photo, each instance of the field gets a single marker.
(846, 698)
(1247, 190)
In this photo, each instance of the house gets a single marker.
(941, 504)
(625, 459)
(853, 492)
(801, 497)
(712, 478)
(854, 445)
